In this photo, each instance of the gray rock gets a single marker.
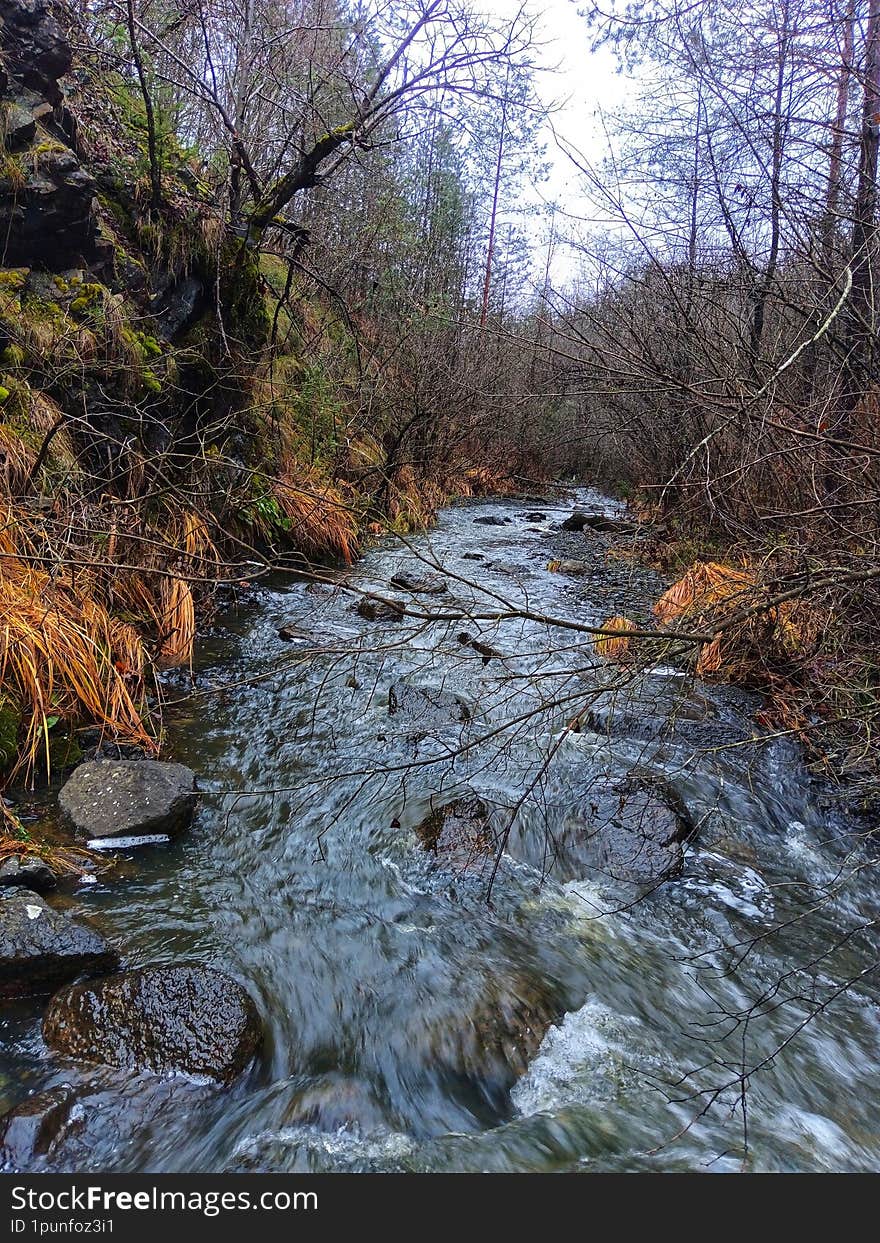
(28, 872)
(32, 1130)
(629, 831)
(41, 948)
(373, 608)
(573, 567)
(178, 306)
(426, 584)
(190, 1019)
(36, 49)
(129, 798)
(492, 520)
(294, 634)
(534, 517)
(49, 221)
(19, 117)
(579, 521)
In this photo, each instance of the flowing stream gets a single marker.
(727, 1019)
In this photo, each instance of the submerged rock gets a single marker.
(629, 831)
(191, 1019)
(41, 948)
(374, 608)
(129, 798)
(460, 834)
(426, 705)
(35, 1128)
(425, 584)
(335, 1101)
(492, 520)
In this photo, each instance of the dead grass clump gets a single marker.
(616, 646)
(753, 637)
(62, 656)
(320, 520)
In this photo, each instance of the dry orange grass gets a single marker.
(178, 622)
(64, 860)
(322, 522)
(749, 639)
(16, 461)
(62, 656)
(615, 647)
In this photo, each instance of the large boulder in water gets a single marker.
(41, 948)
(419, 584)
(630, 831)
(191, 1019)
(129, 798)
(579, 521)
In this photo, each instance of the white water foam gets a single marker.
(589, 1057)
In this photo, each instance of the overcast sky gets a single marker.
(583, 83)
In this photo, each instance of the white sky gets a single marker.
(582, 83)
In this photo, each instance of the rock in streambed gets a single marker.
(41, 948)
(190, 1019)
(129, 798)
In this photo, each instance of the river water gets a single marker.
(727, 1019)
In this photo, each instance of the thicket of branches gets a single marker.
(721, 350)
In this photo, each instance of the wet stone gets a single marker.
(424, 584)
(579, 521)
(37, 1127)
(336, 1101)
(129, 798)
(27, 872)
(492, 520)
(373, 608)
(41, 948)
(460, 834)
(630, 831)
(190, 1019)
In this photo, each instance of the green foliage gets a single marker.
(262, 510)
(13, 278)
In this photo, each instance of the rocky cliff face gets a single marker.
(47, 199)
